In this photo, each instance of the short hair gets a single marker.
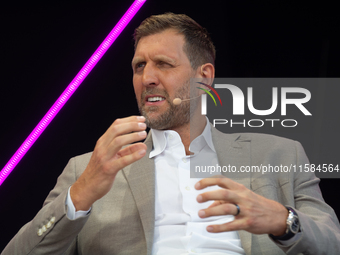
(198, 45)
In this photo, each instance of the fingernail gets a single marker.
(142, 133)
(201, 213)
(210, 229)
(142, 125)
(197, 185)
(142, 152)
(141, 118)
(199, 198)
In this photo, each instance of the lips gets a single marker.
(154, 100)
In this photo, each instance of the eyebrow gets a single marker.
(156, 58)
(165, 59)
(136, 60)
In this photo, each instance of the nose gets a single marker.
(150, 77)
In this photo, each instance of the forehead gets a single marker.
(168, 42)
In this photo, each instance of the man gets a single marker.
(139, 198)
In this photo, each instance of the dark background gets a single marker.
(44, 45)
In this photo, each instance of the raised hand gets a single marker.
(107, 159)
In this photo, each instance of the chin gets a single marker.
(156, 121)
(162, 119)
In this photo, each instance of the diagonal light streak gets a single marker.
(71, 88)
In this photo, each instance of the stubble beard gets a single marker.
(175, 115)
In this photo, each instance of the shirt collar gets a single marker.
(200, 141)
(160, 140)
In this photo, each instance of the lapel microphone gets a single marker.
(178, 101)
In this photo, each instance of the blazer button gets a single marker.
(40, 232)
(49, 224)
(44, 229)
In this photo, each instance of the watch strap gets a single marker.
(289, 234)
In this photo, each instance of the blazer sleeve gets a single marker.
(320, 230)
(50, 231)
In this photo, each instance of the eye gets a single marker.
(139, 66)
(164, 64)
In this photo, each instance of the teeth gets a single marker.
(155, 99)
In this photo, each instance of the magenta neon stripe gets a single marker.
(71, 88)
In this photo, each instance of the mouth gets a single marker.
(153, 100)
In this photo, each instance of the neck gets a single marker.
(188, 132)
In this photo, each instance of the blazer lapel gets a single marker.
(234, 150)
(141, 178)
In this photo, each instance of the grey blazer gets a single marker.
(122, 222)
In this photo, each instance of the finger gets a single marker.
(222, 182)
(118, 142)
(131, 149)
(216, 203)
(120, 128)
(126, 125)
(222, 209)
(220, 194)
(237, 224)
(130, 119)
(118, 164)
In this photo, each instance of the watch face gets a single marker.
(295, 225)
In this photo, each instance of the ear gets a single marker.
(205, 74)
(207, 70)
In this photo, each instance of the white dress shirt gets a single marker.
(178, 228)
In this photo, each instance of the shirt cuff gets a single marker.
(71, 213)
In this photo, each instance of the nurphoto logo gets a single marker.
(277, 100)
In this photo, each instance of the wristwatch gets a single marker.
(293, 226)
